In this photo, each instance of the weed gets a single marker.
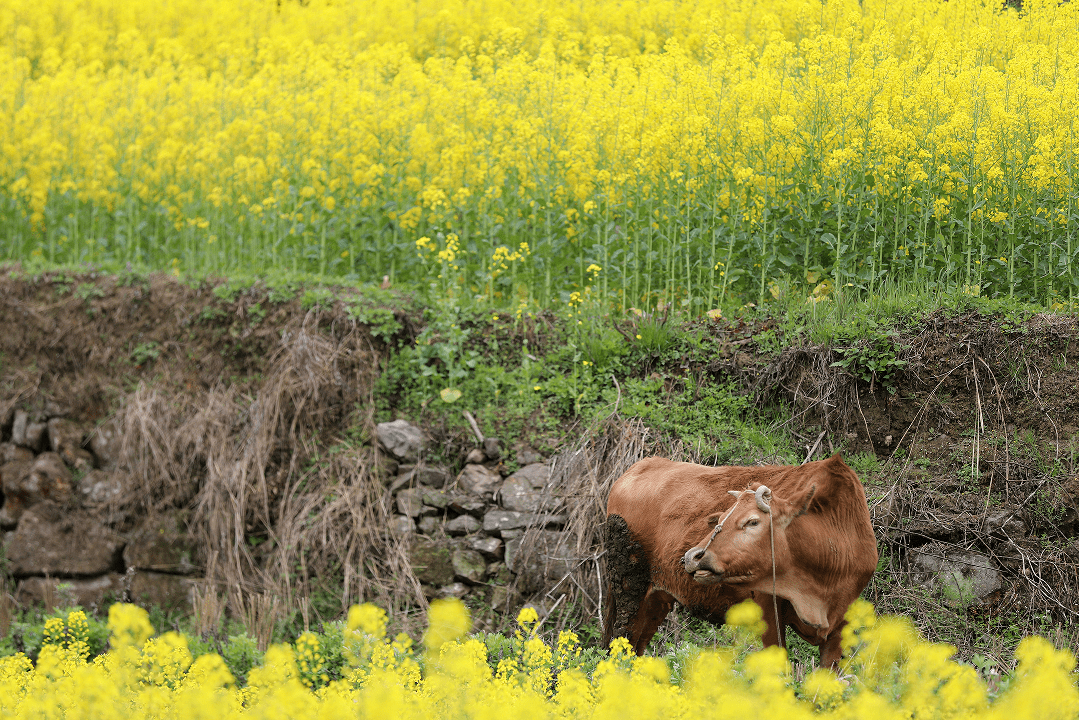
(145, 351)
(863, 463)
(229, 290)
(241, 654)
(380, 321)
(209, 313)
(256, 313)
(872, 360)
(86, 291)
(317, 297)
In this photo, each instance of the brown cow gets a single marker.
(661, 514)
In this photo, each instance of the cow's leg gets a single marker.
(773, 634)
(655, 607)
(628, 579)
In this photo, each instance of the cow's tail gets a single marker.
(628, 577)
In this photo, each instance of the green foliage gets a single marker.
(240, 654)
(872, 360)
(256, 313)
(863, 463)
(317, 297)
(27, 633)
(714, 418)
(381, 321)
(86, 291)
(145, 351)
(279, 290)
(231, 289)
(209, 313)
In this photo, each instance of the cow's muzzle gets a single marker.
(698, 563)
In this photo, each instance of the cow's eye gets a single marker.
(753, 523)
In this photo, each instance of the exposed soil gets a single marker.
(975, 451)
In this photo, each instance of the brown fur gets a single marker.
(825, 550)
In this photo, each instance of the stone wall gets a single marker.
(63, 544)
(57, 479)
(467, 531)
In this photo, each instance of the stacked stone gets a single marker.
(58, 478)
(56, 475)
(466, 533)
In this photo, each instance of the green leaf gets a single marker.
(449, 395)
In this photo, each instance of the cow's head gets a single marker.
(741, 551)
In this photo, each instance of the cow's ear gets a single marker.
(793, 507)
(802, 503)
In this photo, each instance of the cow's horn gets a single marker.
(764, 498)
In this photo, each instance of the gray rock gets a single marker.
(489, 547)
(1004, 522)
(161, 543)
(536, 474)
(105, 442)
(453, 590)
(402, 439)
(499, 573)
(546, 560)
(160, 590)
(402, 525)
(521, 491)
(501, 520)
(435, 498)
(51, 541)
(475, 456)
(18, 427)
(469, 565)
(492, 448)
(467, 504)
(961, 579)
(7, 522)
(462, 525)
(410, 502)
(12, 476)
(99, 487)
(10, 452)
(405, 478)
(429, 525)
(504, 598)
(436, 477)
(64, 434)
(479, 480)
(94, 592)
(27, 484)
(528, 456)
(432, 561)
(36, 436)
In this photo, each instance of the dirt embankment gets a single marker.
(254, 412)
(976, 502)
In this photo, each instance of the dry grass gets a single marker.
(208, 607)
(273, 468)
(259, 614)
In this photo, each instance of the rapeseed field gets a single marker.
(889, 673)
(517, 152)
